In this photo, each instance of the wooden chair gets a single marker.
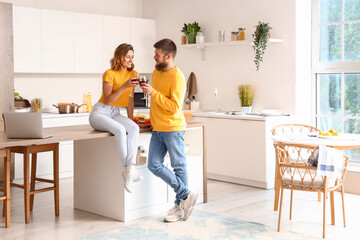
(296, 173)
(29, 187)
(292, 128)
(5, 153)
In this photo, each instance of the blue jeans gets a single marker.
(172, 142)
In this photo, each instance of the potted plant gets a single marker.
(246, 96)
(190, 30)
(261, 37)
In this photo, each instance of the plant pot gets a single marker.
(191, 38)
(246, 109)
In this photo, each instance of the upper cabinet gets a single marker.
(27, 39)
(48, 41)
(57, 41)
(143, 37)
(116, 31)
(88, 29)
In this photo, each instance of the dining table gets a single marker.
(343, 141)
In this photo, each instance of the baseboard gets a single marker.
(241, 181)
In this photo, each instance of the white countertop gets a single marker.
(86, 114)
(63, 115)
(240, 116)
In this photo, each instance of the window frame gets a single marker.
(341, 67)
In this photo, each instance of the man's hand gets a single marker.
(147, 89)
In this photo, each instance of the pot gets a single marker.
(63, 107)
(75, 107)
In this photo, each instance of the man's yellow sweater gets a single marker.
(167, 100)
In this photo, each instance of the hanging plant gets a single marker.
(260, 36)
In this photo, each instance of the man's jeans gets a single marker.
(172, 142)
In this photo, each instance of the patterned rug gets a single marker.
(201, 225)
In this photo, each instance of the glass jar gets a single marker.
(234, 36)
(200, 38)
(241, 35)
(183, 39)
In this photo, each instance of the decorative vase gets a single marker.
(246, 109)
(191, 38)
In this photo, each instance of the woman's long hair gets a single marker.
(119, 54)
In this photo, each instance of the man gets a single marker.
(168, 122)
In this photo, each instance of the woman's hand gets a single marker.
(130, 83)
(147, 89)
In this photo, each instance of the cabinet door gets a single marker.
(116, 31)
(27, 39)
(57, 41)
(88, 43)
(143, 37)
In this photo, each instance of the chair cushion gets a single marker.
(307, 180)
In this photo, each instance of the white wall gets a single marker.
(304, 95)
(55, 88)
(227, 67)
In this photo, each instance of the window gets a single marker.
(336, 66)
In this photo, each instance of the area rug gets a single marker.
(201, 225)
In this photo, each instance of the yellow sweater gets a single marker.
(166, 101)
(118, 78)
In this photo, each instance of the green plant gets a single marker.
(17, 96)
(191, 28)
(246, 95)
(260, 36)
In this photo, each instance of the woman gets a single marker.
(118, 91)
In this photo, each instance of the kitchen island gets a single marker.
(98, 184)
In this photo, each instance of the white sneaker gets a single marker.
(174, 214)
(128, 175)
(188, 204)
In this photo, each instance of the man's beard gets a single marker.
(161, 66)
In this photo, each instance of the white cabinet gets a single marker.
(143, 37)
(57, 41)
(27, 39)
(88, 29)
(241, 150)
(52, 41)
(116, 31)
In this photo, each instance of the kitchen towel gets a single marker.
(191, 87)
(330, 162)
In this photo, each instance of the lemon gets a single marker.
(335, 134)
(321, 133)
(327, 134)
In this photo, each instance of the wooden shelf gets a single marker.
(202, 46)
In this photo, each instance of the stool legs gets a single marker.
(33, 175)
(26, 186)
(6, 205)
(56, 180)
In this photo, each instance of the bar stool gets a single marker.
(29, 187)
(5, 153)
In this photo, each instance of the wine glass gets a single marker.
(143, 81)
(135, 78)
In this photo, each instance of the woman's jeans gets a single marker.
(172, 142)
(108, 119)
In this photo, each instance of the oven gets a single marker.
(140, 100)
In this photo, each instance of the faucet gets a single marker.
(217, 100)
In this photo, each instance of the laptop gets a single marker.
(24, 125)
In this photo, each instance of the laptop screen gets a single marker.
(23, 125)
